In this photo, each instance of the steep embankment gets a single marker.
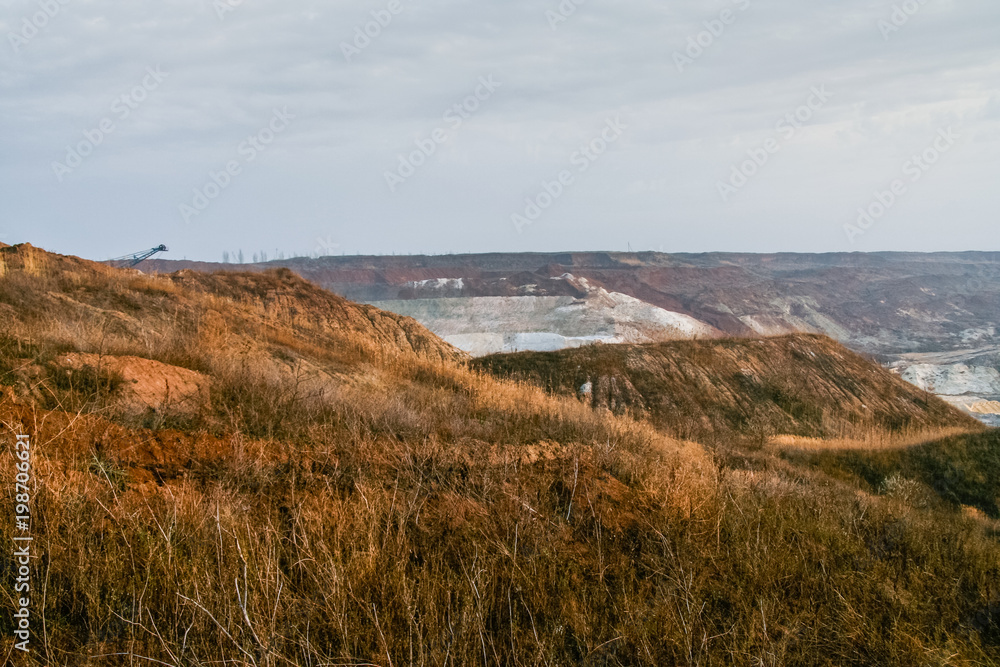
(803, 385)
(488, 325)
(245, 468)
(895, 305)
(78, 334)
(968, 379)
(885, 303)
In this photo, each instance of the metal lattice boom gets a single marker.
(135, 259)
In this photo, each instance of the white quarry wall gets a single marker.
(486, 325)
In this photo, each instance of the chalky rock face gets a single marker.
(882, 303)
(969, 380)
(893, 305)
(487, 325)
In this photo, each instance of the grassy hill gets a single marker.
(244, 469)
(962, 470)
(805, 385)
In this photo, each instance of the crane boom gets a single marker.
(135, 259)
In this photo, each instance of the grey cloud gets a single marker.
(324, 176)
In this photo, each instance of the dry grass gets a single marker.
(875, 440)
(747, 389)
(955, 469)
(424, 553)
(346, 505)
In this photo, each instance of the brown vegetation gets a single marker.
(355, 495)
(797, 385)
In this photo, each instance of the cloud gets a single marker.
(324, 176)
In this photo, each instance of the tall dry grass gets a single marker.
(425, 553)
(345, 502)
(869, 439)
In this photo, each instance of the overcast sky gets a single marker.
(666, 97)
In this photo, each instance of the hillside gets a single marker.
(936, 311)
(70, 327)
(126, 305)
(804, 385)
(245, 469)
(886, 303)
(961, 470)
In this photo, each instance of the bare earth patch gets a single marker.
(147, 383)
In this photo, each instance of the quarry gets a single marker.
(918, 314)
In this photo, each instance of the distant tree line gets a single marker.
(258, 257)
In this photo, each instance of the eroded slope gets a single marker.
(805, 385)
(354, 494)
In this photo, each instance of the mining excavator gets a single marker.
(135, 259)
